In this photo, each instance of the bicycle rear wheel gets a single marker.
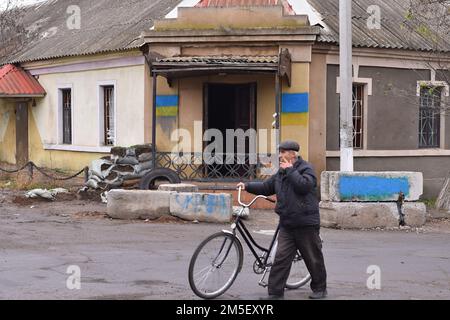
(299, 275)
(215, 265)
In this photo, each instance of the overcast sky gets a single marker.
(3, 2)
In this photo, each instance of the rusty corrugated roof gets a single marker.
(16, 82)
(247, 3)
(222, 59)
(391, 35)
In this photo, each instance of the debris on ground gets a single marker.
(123, 164)
(104, 197)
(90, 214)
(45, 194)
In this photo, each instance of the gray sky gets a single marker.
(3, 2)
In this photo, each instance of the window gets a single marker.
(66, 103)
(429, 117)
(358, 111)
(109, 126)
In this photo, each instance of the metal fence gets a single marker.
(224, 167)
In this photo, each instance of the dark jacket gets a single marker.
(297, 204)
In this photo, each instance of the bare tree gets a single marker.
(13, 34)
(430, 19)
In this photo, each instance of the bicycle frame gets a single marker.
(239, 226)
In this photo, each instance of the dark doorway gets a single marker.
(21, 133)
(230, 106)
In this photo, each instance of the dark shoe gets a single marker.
(273, 297)
(318, 295)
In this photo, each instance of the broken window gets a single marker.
(430, 117)
(358, 111)
(66, 95)
(109, 116)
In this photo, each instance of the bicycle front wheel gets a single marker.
(299, 275)
(215, 265)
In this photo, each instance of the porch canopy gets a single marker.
(17, 83)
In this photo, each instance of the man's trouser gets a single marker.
(307, 240)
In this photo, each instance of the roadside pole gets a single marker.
(346, 91)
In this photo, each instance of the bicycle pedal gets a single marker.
(263, 284)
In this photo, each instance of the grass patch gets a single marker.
(430, 203)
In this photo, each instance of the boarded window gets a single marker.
(66, 116)
(430, 117)
(109, 116)
(358, 109)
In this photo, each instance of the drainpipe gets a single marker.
(346, 84)
(277, 115)
(154, 120)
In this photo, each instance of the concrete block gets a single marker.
(370, 186)
(362, 215)
(203, 207)
(180, 187)
(137, 204)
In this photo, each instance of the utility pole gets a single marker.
(346, 84)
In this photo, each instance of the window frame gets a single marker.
(362, 115)
(60, 113)
(368, 91)
(101, 111)
(437, 116)
(444, 93)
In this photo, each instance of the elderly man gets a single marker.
(298, 208)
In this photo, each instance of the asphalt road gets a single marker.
(138, 260)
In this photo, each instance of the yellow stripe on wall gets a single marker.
(294, 119)
(167, 111)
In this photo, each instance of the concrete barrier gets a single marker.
(136, 204)
(180, 187)
(201, 206)
(370, 186)
(362, 215)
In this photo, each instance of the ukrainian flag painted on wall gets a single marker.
(295, 108)
(167, 105)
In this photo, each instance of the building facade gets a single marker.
(256, 65)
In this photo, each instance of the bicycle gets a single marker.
(226, 257)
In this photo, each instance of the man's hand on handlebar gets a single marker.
(241, 185)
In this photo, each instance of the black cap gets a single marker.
(290, 146)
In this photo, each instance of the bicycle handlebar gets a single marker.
(254, 200)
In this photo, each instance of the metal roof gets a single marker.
(182, 67)
(222, 60)
(106, 26)
(116, 25)
(15, 82)
(392, 35)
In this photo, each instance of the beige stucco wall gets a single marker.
(133, 110)
(295, 126)
(85, 90)
(317, 112)
(7, 132)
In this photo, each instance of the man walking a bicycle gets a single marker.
(298, 208)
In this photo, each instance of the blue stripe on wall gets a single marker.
(295, 102)
(371, 188)
(167, 101)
